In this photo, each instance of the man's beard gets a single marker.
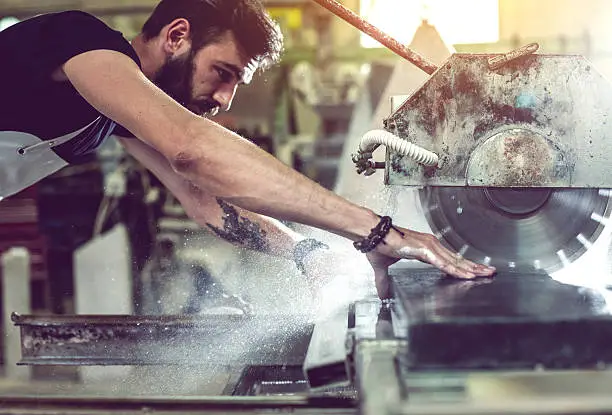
(175, 78)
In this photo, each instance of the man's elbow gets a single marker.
(200, 168)
(199, 157)
(188, 154)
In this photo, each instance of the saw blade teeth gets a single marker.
(605, 192)
(584, 241)
(563, 257)
(563, 228)
(598, 218)
(487, 261)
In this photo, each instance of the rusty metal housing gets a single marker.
(537, 121)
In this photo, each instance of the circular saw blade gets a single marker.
(510, 228)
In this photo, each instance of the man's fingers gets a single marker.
(450, 263)
(426, 248)
(456, 271)
(454, 264)
(471, 267)
(442, 259)
(381, 278)
(478, 269)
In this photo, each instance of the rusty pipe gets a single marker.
(371, 30)
(498, 61)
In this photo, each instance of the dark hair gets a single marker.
(257, 34)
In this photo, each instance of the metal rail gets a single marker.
(176, 405)
(164, 340)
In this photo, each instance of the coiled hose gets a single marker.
(373, 139)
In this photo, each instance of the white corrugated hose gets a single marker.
(372, 139)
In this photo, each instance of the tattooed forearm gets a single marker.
(240, 230)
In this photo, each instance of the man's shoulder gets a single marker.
(42, 43)
(47, 21)
(76, 14)
(68, 14)
(76, 17)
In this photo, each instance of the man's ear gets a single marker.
(178, 37)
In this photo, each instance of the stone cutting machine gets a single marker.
(523, 150)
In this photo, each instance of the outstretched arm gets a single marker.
(211, 157)
(223, 164)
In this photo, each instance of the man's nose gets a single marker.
(224, 95)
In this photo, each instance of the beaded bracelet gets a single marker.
(376, 236)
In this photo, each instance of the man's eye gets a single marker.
(224, 75)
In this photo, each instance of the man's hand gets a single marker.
(423, 247)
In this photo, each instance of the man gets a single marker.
(69, 82)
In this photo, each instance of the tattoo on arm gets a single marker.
(241, 230)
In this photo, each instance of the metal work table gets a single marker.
(363, 359)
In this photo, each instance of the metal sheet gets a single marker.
(512, 321)
(133, 340)
(526, 229)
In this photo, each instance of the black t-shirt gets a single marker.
(31, 101)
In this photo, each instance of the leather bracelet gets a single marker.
(303, 248)
(377, 235)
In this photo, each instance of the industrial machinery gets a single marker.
(522, 179)
(510, 153)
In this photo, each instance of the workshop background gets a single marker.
(106, 238)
